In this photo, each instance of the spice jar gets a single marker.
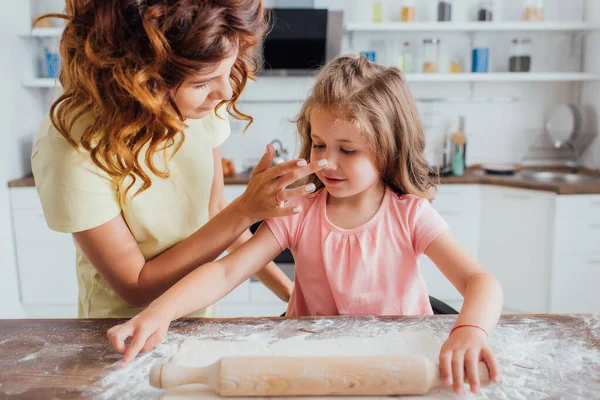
(534, 10)
(430, 55)
(520, 55)
(486, 10)
(444, 10)
(408, 11)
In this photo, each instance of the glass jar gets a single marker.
(431, 50)
(485, 11)
(406, 60)
(520, 55)
(534, 10)
(444, 10)
(455, 66)
(408, 11)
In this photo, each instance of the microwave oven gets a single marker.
(300, 41)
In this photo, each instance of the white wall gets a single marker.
(18, 114)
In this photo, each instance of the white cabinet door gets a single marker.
(576, 262)
(460, 206)
(516, 245)
(45, 259)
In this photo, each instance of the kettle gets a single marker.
(281, 154)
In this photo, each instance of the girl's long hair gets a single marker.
(378, 101)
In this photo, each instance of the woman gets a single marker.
(128, 159)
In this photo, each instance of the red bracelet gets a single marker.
(468, 325)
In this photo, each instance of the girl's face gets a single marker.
(201, 93)
(350, 161)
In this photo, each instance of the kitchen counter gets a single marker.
(540, 356)
(472, 176)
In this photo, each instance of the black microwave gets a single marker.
(300, 41)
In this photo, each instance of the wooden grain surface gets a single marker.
(41, 359)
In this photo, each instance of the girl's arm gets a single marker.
(270, 276)
(199, 289)
(483, 300)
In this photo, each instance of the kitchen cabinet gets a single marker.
(45, 259)
(516, 245)
(460, 206)
(576, 255)
(543, 248)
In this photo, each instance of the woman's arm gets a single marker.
(113, 251)
(482, 307)
(200, 288)
(271, 276)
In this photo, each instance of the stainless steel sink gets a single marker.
(556, 177)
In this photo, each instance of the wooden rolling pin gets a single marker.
(309, 376)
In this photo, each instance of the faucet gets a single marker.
(575, 154)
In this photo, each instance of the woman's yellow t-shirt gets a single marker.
(76, 195)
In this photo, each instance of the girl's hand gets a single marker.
(267, 191)
(461, 353)
(146, 330)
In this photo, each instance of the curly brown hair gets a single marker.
(378, 100)
(123, 59)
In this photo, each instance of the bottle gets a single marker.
(408, 11)
(406, 60)
(460, 146)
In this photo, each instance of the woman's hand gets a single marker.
(266, 192)
(461, 354)
(146, 330)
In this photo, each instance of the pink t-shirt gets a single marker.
(369, 270)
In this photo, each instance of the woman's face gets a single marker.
(199, 94)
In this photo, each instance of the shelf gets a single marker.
(41, 83)
(504, 77)
(517, 26)
(463, 77)
(44, 32)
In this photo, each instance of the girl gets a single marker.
(128, 161)
(356, 240)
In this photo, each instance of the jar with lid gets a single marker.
(486, 10)
(431, 50)
(534, 10)
(520, 55)
(408, 11)
(406, 60)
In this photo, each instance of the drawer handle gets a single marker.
(595, 226)
(518, 196)
(595, 203)
(593, 262)
(450, 213)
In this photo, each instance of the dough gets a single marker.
(194, 352)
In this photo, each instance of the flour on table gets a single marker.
(199, 353)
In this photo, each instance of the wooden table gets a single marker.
(541, 356)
